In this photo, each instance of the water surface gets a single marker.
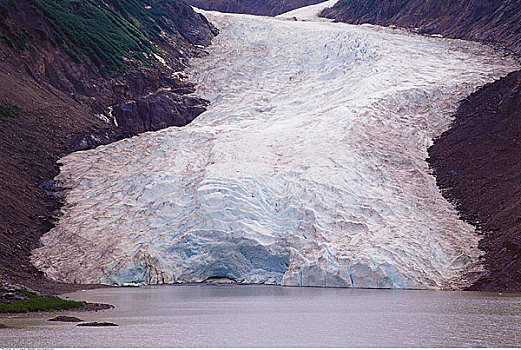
(274, 316)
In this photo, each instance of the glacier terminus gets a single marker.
(307, 169)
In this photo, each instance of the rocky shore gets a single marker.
(476, 162)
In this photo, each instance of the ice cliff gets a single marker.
(308, 169)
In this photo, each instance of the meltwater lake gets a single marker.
(274, 316)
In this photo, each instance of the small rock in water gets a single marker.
(97, 324)
(219, 280)
(65, 319)
(3, 326)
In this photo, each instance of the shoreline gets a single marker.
(97, 306)
(203, 284)
(219, 316)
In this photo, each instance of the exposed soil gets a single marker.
(97, 324)
(50, 125)
(93, 307)
(65, 319)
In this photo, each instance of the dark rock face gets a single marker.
(158, 111)
(477, 161)
(252, 7)
(495, 21)
(98, 324)
(192, 26)
(65, 106)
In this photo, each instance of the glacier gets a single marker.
(307, 169)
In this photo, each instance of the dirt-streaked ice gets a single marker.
(307, 169)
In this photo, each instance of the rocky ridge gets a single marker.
(252, 7)
(476, 162)
(496, 22)
(65, 100)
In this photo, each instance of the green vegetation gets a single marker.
(38, 303)
(113, 34)
(9, 111)
(7, 41)
(4, 12)
(15, 37)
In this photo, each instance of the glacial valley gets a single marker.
(307, 169)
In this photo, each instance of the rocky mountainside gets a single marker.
(495, 21)
(252, 7)
(476, 162)
(75, 75)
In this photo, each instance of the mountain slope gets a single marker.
(75, 75)
(252, 7)
(477, 162)
(495, 21)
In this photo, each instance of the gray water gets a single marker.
(272, 316)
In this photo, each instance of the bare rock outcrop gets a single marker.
(158, 111)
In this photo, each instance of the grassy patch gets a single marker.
(14, 37)
(9, 111)
(113, 34)
(38, 303)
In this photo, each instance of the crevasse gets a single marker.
(308, 169)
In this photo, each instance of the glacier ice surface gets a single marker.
(308, 169)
